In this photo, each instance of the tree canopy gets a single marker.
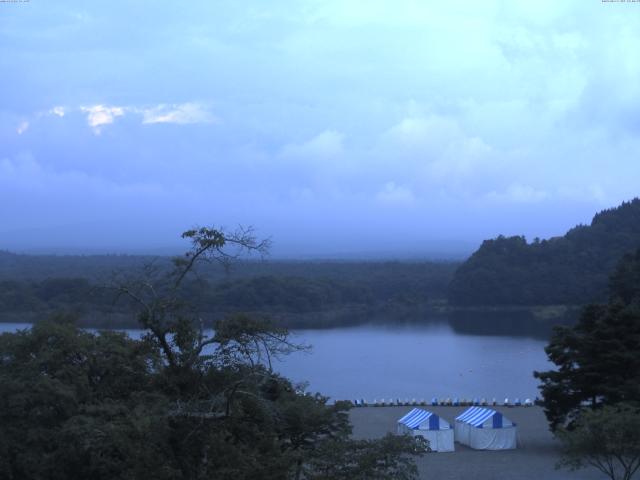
(568, 270)
(607, 439)
(177, 403)
(309, 294)
(598, 359)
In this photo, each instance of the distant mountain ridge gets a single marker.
(572, 269)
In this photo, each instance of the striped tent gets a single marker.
(485, 429)
(436, 430)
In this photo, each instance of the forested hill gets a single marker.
(572, 269)
(296, 294)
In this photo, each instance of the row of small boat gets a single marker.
(450, 402)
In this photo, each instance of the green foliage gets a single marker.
(366, 459)
(569, 270)
(625, 281)
(599, 358)
(78, 405)
(298, 294)
(175, 404)
(245, 339)
(294, 294)
(607, 439)
(74, 404)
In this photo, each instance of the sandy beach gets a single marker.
(534, 459)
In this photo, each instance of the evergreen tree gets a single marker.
(569, 270)
(598, 359)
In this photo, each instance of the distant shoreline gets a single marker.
(537, 321)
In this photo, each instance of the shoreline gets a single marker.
(534, 459)
(531, 321)
(455, 403)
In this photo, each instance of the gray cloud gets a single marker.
(333, 126)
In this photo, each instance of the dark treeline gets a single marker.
(568, 270)
(294, 294)
(101, 267)
(38, 267)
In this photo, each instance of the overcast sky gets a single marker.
(336, 127)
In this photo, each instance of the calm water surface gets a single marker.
(412, 362)
(417, 362)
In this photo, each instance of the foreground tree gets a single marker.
(607, 439)
(592, 401)
(175, 404)
(78, 405)
(598, 359)
(366, 459)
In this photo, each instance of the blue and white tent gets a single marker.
(436, 430)
(485, 429)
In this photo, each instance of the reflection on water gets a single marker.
(521, 323)
(411, 362)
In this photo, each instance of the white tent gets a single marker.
(485, 429)
(436, 430)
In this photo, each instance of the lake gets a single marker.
(377, 362)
